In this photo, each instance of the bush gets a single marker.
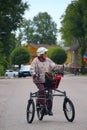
(58, 55)
(20, 55)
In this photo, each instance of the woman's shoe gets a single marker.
(50, 113)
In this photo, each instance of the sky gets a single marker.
(55, 8)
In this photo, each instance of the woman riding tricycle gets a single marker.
(42, 71)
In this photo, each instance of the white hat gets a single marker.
(41, 50)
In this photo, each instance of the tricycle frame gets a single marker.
(40, 112)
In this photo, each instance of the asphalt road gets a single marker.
(14, 94)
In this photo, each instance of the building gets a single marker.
(72, 53)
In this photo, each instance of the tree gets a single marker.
(11, 15)
(42, 29)
(20, 55)
(3, 63)
(72, 22)
(8, 44)
(58, 55)
(74, 25)
(26, 31)
(45, 28)
(1, 70)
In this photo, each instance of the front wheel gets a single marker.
(40, 112)
(30, 112)
(69, 110)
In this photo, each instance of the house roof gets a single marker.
(42, 45)
(34, 47)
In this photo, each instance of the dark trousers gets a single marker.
(42, 99)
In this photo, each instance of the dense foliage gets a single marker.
(58, 55)
(74, 25)
(11, 15)
(41, 30)
(20, 55)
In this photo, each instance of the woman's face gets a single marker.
(45, 55)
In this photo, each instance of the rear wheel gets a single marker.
(30, 112)
(69, 110)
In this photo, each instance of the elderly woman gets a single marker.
(39, 66)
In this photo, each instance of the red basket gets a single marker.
(55, 84)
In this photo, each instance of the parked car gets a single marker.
(11, 73)
(24, 71)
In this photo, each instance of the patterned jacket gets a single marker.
(39, 68)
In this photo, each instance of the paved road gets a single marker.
(14, 94)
